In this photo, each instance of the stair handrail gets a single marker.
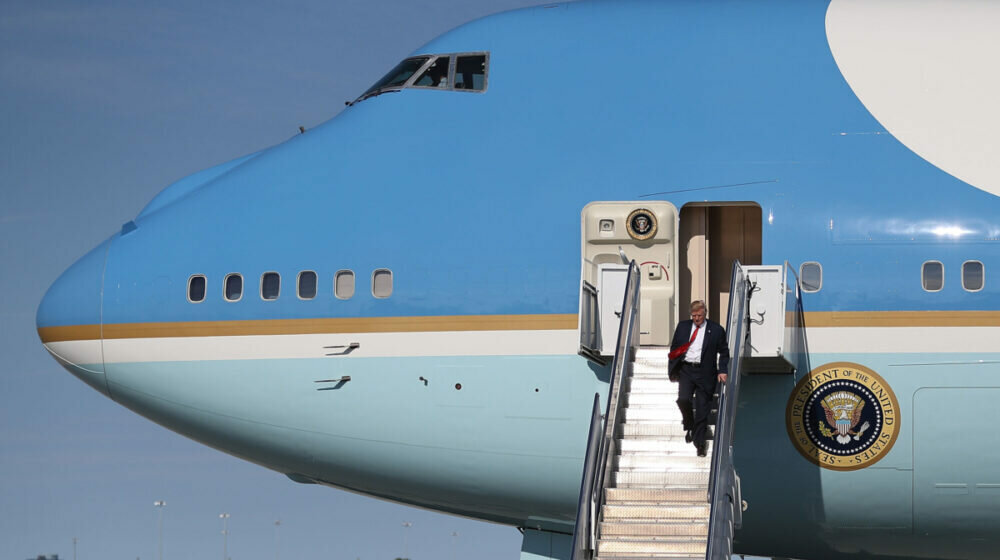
(601, 446)
(724, 491)
(582, 544)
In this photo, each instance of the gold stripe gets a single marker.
(71, 332)
(315, 326)
(476, 323)
(902, 319)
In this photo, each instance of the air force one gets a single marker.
(420, 299)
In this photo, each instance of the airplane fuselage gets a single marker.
(457, 214)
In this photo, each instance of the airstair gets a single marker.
(645, 493)
(655, 504)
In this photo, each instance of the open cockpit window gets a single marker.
(443, 72)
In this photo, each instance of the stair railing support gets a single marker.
(724, 490)
(601, 440)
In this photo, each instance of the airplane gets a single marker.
(394, 302)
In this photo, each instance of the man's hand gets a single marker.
(722, 377)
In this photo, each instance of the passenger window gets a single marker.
(233, 287)
(932, 276)
(382, 283)
(470, 72)
(973, 276)
(811, 277)
(436, 75)
(270, 286)
(307, 284)
(343, 284)
(196, 288)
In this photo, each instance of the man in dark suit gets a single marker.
(697, 345)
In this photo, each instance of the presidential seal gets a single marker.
(843, 417)
(641, 224)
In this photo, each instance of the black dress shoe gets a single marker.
(701, 450)
(688, 437)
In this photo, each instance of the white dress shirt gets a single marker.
(693, 353)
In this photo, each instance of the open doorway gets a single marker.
(712, 235)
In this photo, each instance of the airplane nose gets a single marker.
(69, 319)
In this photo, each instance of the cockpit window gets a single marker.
(443, 72)
(436, 75)
(470, 72)
(398, 75)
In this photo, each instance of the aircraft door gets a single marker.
(645, 231)
(712, 235)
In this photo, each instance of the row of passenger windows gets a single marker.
(810, 276)
(306, 285)
(931, 276)
(973, 276)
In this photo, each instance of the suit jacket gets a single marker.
(714, 345)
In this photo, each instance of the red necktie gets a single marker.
(682, 349)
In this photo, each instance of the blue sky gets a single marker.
(102, 104)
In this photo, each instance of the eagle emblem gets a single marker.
(641, 224)
(843, 412)
(842, 416)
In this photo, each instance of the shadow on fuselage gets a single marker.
(783, 492)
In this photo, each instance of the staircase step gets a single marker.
(662, 462)
(678, 556)
(647, 367)
(657, 529)
(690, 494)
(651, 385)
(661, 529)
(674, 445)
(658, 413)
(613, 513)
(653, 352)
(651, 429)
(652, 546)
(666, 400)
(653, 479)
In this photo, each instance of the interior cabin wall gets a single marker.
(712, 237)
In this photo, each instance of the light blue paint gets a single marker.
(945, 440)
(496, 449)
(955, 476)
(545, 545)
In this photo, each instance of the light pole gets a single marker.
(225, 535)
(74, 548)
(454, 537)
(277, 540)
(158, 504)
(406, 552)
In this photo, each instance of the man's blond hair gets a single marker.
(698, 304)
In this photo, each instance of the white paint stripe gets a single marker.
(869, 340)
(487, 343)
(76, 352)
(372, 345)
(921, 67)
